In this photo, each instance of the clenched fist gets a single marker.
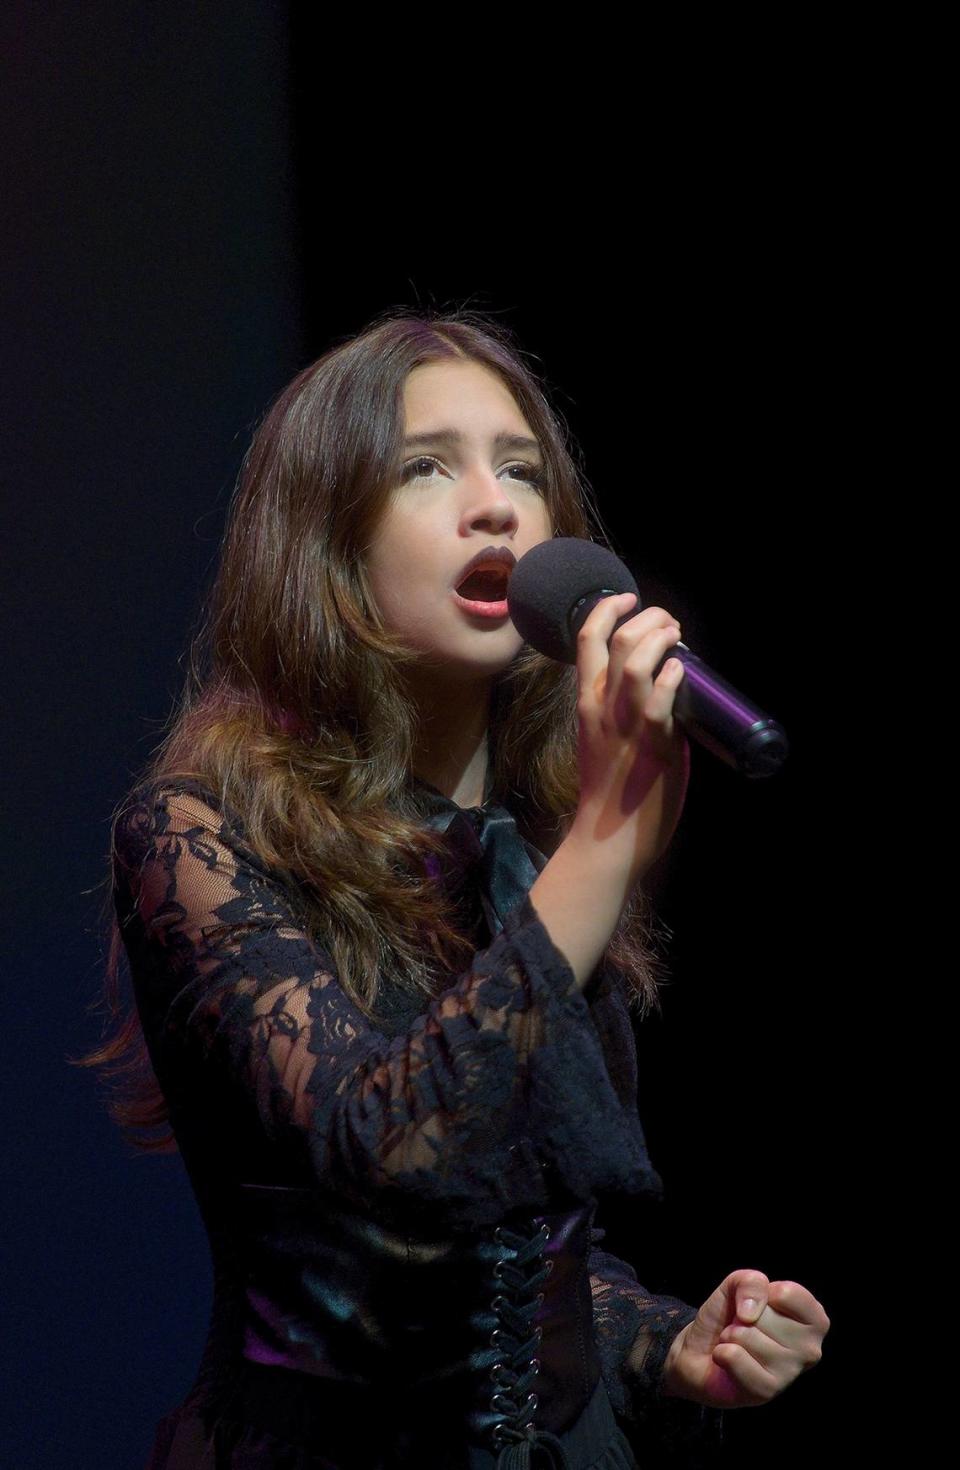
(747, 1343)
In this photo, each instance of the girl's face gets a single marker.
(469, 483)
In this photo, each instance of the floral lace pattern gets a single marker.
(511, 1083)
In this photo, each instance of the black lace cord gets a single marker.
(516, 1304)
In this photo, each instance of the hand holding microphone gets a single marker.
(634, 759)
(552, 591)
(634, 765)
(635, 706)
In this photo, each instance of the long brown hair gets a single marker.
(294, 711)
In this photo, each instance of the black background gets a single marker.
(192, 221)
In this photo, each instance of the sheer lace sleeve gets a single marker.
(502, 1076)
(634, 1330)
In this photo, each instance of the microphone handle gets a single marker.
(710, 710)
(720, 718)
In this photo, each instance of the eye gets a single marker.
(532, 473)
(411, 470)
(421, 467)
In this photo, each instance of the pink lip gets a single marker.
(491, 556)
(482, 609)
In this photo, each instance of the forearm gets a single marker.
(579, 897)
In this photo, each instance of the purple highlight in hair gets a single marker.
(287, 721)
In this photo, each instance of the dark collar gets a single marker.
(484, 839)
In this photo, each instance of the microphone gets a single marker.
(551, 592)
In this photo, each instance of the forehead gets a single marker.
(468, 390)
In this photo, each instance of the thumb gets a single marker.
(747, 1294)
(740, 1297)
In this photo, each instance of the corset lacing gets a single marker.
(515, 1435)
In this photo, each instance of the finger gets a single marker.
(783, 1347)
(659, 707)
(634, 635)
(786, 1331)
(606, 641)
(756, 1382)
(630, 681)
(633, 629)
(639, 651)
(592, 653)
(790, 1299)
(750, 1290)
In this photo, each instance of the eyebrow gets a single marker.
(454, 437)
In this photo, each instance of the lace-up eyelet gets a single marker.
(523, 1252)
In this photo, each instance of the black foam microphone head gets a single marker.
(553, 588)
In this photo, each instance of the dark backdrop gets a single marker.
(183, 241)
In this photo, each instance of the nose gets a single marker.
(488, 507)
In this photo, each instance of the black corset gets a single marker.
(491, 1331)
(545, 1363)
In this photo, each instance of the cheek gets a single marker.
(403, 582)
(540, 523)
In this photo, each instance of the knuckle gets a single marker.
(791, 1293)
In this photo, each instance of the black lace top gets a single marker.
(511, 1088)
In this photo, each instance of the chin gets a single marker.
(459, 665)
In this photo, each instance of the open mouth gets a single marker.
(488, 584)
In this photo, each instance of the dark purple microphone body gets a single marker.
(553, 589)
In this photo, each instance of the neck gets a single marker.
(451, 749)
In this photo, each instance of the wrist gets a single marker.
(671, 1378)
(615, 848)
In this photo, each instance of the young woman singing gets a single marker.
(381, 895)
